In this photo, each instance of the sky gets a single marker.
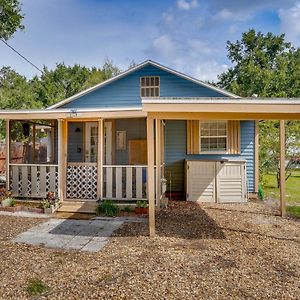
(187, 35)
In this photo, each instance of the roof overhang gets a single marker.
(73, 114)
(220, 108)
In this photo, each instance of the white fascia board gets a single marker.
(238, 101)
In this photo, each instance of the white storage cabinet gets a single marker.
(216, 181)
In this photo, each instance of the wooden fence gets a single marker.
(17, 155)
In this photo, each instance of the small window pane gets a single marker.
(147, 92)
(150, 85)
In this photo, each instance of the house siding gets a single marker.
(175, 153)
(125, 92)
(135, 130)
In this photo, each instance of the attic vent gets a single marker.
(150, 86)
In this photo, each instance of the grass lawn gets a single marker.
(292, 187)
(294, 211)
(292, 191)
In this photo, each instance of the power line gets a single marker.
(22, 56)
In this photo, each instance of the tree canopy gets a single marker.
(17, 92)
(10, 18)
(267, 66)
(263, 65)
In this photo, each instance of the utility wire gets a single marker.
(22, 56)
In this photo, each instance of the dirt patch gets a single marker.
(199, 252)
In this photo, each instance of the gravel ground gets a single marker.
(200, 252)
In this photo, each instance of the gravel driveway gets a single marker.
(200, 252)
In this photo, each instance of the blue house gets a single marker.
(97, 144)
(148, 133)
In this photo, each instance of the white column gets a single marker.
(60, 158)
(150, 177)
(158, 160)
(282, 169)
(7, 154)
(100, 160)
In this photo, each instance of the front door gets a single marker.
(91, 142)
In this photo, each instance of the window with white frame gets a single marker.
(213, 136)
(150, 86)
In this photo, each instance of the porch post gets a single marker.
(62, 157)
(256, 157)
(158, 160)
(100, 160)
(150, 177)
(282, 169)
(7, 154)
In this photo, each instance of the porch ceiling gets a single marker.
(73, 114)
(220, 108)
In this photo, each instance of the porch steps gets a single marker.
(87, 207)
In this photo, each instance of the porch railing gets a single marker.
(33, 180)
(125, 182)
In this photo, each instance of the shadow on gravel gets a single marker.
(180, 219)
(187, 220)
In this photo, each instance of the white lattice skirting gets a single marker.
(82, 181)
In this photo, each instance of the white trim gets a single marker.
(147, 62)
(73, 114)
(205, 100)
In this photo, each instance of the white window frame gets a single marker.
(150, 86)
(220, 136)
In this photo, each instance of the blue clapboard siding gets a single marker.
(135, 130)
(175, 153)
(125, 92)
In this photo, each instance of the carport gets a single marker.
(281, 109)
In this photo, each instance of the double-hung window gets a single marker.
(149, 86)
(213, 137)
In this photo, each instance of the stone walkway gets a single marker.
(67, 234)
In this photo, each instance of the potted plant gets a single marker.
(141, 207)
(48, 208)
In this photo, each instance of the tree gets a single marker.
(10, 18)
(267, 66)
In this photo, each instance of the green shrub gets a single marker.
(108, 208)
(36, 287)
(261, 194)
(126, 208)
(13, 203)
(45, 204)
(142, 204)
